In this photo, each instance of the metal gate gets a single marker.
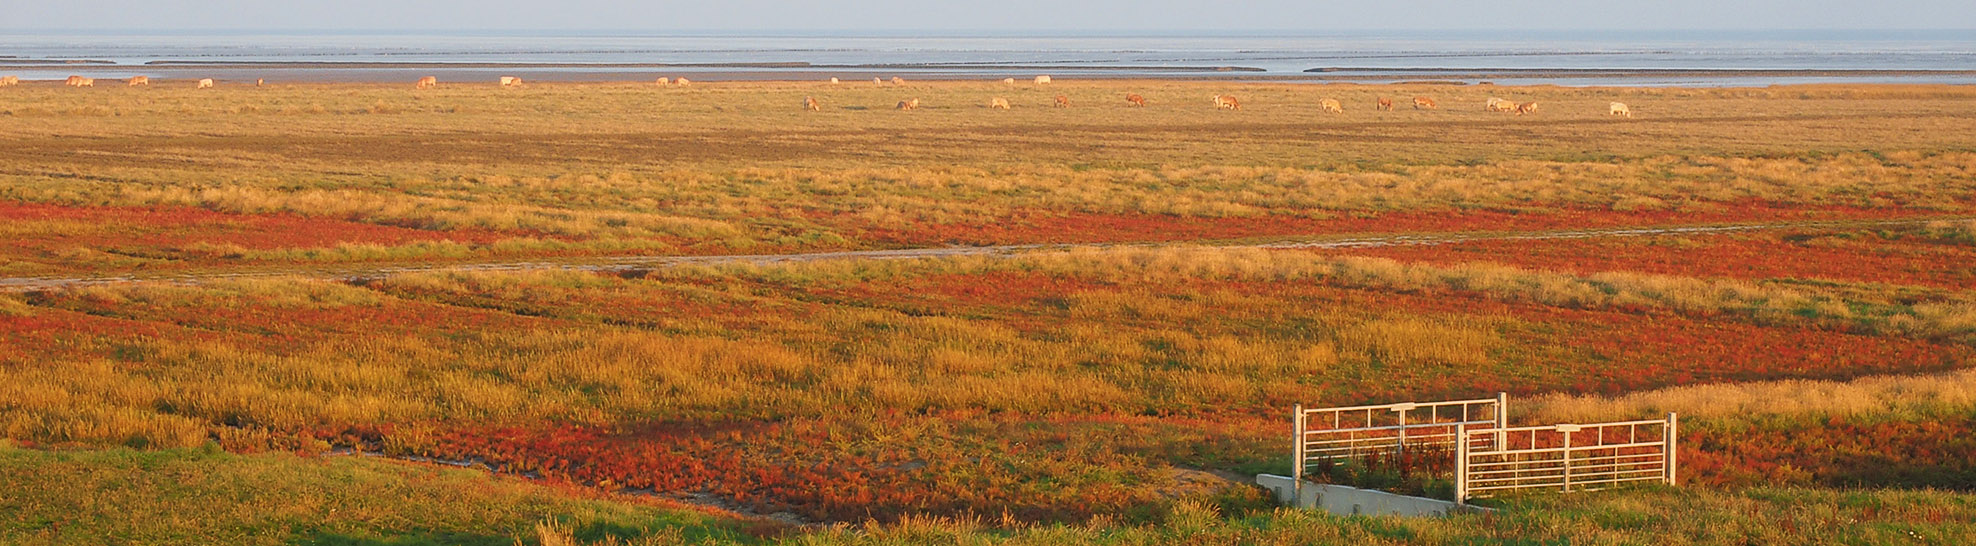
(1356, 433)
(1566, 458)
(1489, 456)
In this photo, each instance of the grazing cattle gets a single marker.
(909, 104)
(428, 82)
(510, 81)
(1063, 101)
(73, 81)
(1040, 80)
(998, 102)
(1008, 81)
(140, 80)
(79, 81)
(1331, 105)
(809, 103)
(875, 80)
(1227, 101)
(898, 80)
(833, 81)
(1424, 103)
(206, 83)
(682, 82)
(9, 80)
(1385, 104)
(1620, 109)
(1526, 108)
(1135, 99)
(260, 82)
(1499, 105)
(662, 82)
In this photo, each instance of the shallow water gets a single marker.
(1000, 55)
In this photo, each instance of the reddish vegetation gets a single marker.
(1843, 452)
(51, 335)
(1034, 469)
(1591, 351)
(1859, 257)
(173, 227)
(1045, 227)
(273, 329)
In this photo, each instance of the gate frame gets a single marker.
(1300, 439)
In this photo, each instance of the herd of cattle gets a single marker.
(1229, 102)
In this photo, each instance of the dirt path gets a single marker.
(637, 263)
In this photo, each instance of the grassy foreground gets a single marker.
(208, 497)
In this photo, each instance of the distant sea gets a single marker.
(1692, 58)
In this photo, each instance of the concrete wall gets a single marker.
(1352, 501)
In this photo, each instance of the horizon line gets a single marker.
(951, 31)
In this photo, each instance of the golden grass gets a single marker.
(1125, 348)
(1878, 396)
(1946, 314)
(738, 165)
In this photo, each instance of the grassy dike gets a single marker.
(205, 496)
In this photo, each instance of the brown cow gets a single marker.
(9, 80)
(1063, 101)
(1385, 104)
(1135, 99)
(205, 83)
(1424, 103)
(260, 82)
(1331, 105)
(73, 81)
(1526, 108)
(898, 80)
(998, 103)
(1227, 101)
(80, 81)
(809, 103)
(428, 82)
(909, 104)
(140, 80)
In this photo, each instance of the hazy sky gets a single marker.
(982, 15)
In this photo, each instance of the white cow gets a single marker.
(1040, 80)
(1620, 109)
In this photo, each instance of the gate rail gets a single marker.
(1567, 457)
(1355, 433)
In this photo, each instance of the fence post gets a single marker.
(1502, 418)
(1567, 461)
(1400, 448)
(1461, 463)
(1673, 464)
(1297, 460)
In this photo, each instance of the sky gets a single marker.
(1014, 16)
